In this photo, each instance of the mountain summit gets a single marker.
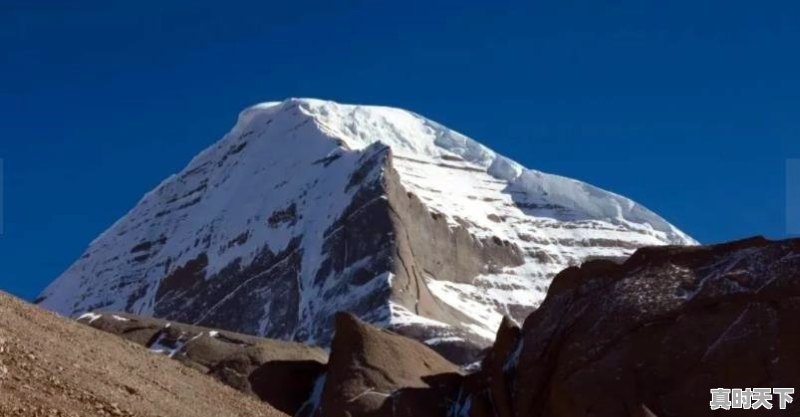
(309, 207)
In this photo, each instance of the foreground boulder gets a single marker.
(279, 373)
(374, 372)
(494, 370)
(51, 366)
(487, 391)
(653, 335)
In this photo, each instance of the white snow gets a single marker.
(470, 299)
(446, 339)
(401, 316)
(92, 317)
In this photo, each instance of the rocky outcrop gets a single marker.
(651, 336)
(494, 368)
(486, 392)
(279, 373)
(427, 246)
(373, 372)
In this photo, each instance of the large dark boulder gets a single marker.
(651, 336)
(494, 368)
(374, 372)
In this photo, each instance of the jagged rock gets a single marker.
(279, 373)
(653, 335)
(308, 207)
(494, 367)
(487, 392)
(374, 372)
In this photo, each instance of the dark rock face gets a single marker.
(653, 335)
(279, 373)
(494, 369)
(487, 392)
(357, 247)
(374, 372)
(230, 299)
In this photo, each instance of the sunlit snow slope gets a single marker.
(308, 207)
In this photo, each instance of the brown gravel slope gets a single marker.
(52, 366)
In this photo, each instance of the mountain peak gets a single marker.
(414, 136)
(358, 126)
(300, 212)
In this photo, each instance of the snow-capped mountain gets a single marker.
(310, 207)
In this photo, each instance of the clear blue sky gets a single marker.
(690, 108)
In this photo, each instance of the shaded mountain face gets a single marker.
(309, 207)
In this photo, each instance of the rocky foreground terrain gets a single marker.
(280, 373)
(53, 367)
(647, 337)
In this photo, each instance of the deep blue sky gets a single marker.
(691, 109)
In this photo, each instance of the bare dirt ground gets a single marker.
(52, 366)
